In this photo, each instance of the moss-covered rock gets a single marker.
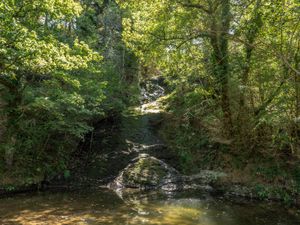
(146, 172)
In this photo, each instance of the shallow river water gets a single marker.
(107, 207)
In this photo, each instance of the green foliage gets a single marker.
(184, 132)
(54, 84)
(270, 192)
(233, 71)
(296, 176)
(262, 191)
(67, 174)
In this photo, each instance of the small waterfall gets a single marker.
(152, 89)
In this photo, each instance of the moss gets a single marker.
(145, 172)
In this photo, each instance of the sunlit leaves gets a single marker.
(49, 79)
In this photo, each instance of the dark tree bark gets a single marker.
(220, 26)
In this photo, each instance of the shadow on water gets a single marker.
(106, 207)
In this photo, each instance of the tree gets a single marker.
(41, 81)
(235, 50)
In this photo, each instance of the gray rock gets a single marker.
(146, 172)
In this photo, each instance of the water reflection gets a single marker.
(106, 207)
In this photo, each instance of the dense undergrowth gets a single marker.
(192, 135)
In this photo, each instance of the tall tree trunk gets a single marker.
(296, 132)
(246, 98)
(297, 87)
(297, 83)
(219, 42)
(251, 35)
(12, 119)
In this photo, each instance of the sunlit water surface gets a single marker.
(106, 207)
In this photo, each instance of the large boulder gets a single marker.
(147, 172)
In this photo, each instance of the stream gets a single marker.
(102, 206)
(97, 205)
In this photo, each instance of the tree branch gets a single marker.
(287, 64)
(258, 112)
(188, 4)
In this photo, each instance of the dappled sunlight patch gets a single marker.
(136, 208)
(178, 215)
(152, 107)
